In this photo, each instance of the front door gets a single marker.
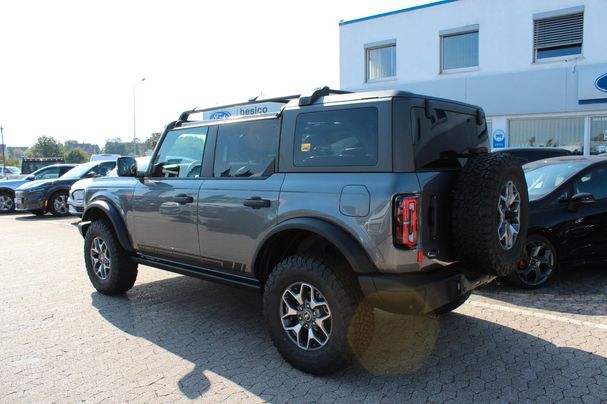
(586, 234)
(239, 204)
(165, 203)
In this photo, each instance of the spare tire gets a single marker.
(490, 214)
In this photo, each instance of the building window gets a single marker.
(598, 134)
(459, 48)
(381, 61)
(558, 36)
(564, 132)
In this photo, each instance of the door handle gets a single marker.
(183, 199)
(256, 202)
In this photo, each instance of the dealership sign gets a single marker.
(592, 84)
(499, 139)
(601, 83)
(244, 110)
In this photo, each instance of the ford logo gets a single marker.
(220, 115)
(601, 83)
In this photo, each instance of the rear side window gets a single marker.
(346, 137)
(246, 149)
(438, 138)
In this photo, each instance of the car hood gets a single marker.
(82, 184)
(12, 183)
(47, 183)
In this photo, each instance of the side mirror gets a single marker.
(29, 178)
(91, 174)
(126, 167)
(577, 200)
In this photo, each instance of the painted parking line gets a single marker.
(538, 314)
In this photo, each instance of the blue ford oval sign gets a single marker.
(601, 82)
(220, 115)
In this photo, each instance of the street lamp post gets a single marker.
(135, 116)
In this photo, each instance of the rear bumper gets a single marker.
(419, 293)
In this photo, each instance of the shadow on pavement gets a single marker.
(48, 217)
(580, 290)
(221, 329)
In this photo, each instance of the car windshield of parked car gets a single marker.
(78, 171)
(544, 178)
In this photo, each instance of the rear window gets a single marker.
(337, 138)
(437, 139)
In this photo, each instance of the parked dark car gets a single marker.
(529, 154)
(39, 197)
(7, 188)
(567, 217)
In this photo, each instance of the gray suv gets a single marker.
(335, 205)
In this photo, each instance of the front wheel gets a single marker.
(110, 269)
(7, 203)
(58, 204)
(316, 314)
(537, 264)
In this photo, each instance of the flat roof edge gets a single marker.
(404, 10)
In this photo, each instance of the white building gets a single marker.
(538, 68)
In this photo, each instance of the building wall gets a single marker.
(507, 84)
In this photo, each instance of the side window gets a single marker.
(246, 149)
(50, 173)
(102, 169)
(65, 169)
(593, 182)
(180, 154)
(346, 137)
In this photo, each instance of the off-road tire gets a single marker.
(476, 216)
(51, 204)
(352, 320)
(8, 200)
(449, 307)
(123, 270)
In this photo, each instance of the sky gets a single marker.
(68, 68)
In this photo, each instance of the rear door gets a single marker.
(165, 203)
(238, 204)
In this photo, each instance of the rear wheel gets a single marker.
(537, 264)
(490, 214)
(316, 314)
(7, 202)
(109, 267)
(58, 204)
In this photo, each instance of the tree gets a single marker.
(76, 156)
(152, 140)
(45, 146)
(117, 146)
(70, 144)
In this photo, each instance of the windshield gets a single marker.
(543, 179)
(78, 171)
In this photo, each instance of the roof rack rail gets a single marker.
(256, 100)
(309, 99)
(304, 99)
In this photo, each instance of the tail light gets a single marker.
(405, 229)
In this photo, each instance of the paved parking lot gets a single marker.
(173, 338)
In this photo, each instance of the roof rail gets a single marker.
(309, 99)
(304, 99)
(256, 100)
